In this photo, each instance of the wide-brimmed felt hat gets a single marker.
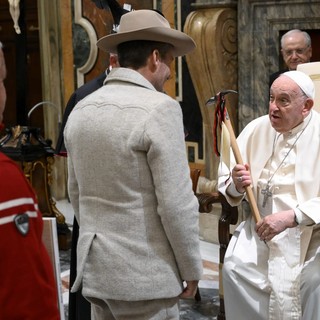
(147, 25)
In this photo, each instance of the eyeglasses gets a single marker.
(298, 52)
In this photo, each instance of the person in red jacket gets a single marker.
(28, 289)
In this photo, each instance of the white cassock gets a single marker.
(280, 279)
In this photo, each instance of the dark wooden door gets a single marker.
(22, 54)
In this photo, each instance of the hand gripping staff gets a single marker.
(221, 115)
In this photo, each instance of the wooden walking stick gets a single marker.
(223, 116)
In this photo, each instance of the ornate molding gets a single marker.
(260, 24)
(88, 27)
(213, 67)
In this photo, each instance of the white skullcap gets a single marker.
(303, 81)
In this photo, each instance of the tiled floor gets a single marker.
(206, 309)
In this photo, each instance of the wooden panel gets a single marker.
(102, 21)
(168, 10)
(67, 49)
(22, 56)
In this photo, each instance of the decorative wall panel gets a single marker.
(260, 24)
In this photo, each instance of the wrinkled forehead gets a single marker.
(296, 39)
(285, 85)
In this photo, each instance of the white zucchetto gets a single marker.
(303, 81)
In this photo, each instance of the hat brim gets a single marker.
(182, 43)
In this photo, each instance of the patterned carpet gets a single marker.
(205, 309)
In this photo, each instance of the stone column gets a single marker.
(213, 65)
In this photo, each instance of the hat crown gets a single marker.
(142, 19)
(147, 25)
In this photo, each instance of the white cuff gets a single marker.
(302, 218)
(233, 192)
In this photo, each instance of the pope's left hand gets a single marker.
(275, 223)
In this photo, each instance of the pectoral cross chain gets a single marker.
(266, 194)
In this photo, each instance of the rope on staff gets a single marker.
(221, 115)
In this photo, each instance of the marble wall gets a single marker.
(260, 24)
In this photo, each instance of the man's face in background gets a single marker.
(295, 51)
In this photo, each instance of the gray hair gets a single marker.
(294, 31)
(1, 45)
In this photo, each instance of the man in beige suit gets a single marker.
(129, 180)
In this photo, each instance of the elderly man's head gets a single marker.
(3, 73)
(296, 48)
(291, 99)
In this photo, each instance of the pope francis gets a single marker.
(271, 268)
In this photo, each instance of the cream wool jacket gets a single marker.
(129, 184)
